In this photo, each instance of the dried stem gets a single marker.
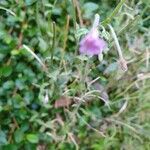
(77, 5)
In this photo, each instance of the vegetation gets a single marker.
(52, 97)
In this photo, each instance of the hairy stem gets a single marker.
(122, 61)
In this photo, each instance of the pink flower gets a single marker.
(92, 44)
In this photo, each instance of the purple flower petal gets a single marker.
(91, 44)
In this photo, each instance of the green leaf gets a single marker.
(90, 6)
(111, 68)
(15, 52)
(8, 85)
(28, 96)
(80, 32)
(57, 11)
(3, 139)
(20, 84)
(82, 57)
(1, 108)
(30, 146)
(18, 101)
(89, 9)
(146, 2)
(6, 71)
(10, 147)
(7, 39)
(42, 44)
(18, 135)
(33, 138)
(29, 2)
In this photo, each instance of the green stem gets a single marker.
(74, 13)
(108, 19)
(86, 71)
(53, 43)
(74, 23)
